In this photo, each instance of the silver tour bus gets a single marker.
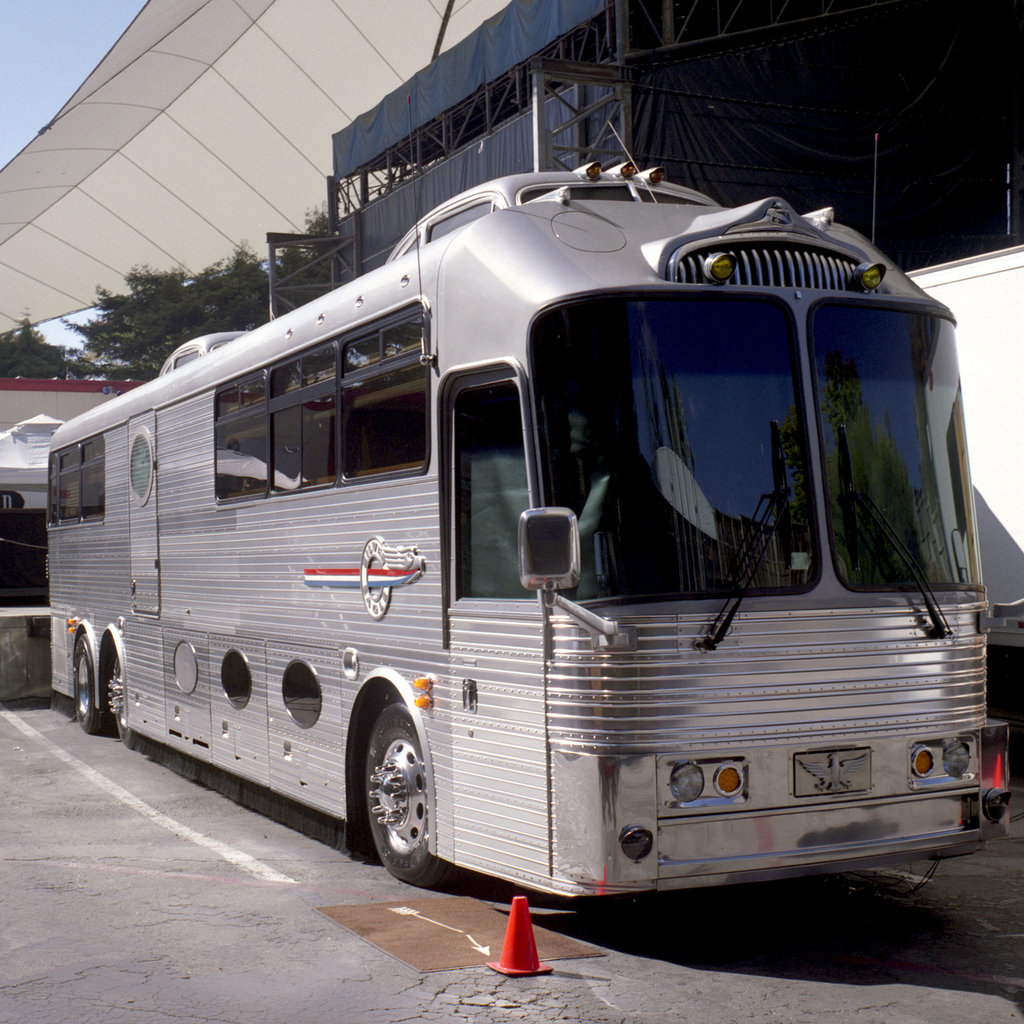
(603, 539)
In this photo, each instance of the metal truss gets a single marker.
(581, 112)
(578, 90)
(494, 103)
(301, 267)
(647, 26)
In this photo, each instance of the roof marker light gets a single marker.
(591, 170)
(624, 170)
(653, 175)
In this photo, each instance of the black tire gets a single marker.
(399, 811)
(115, 686)
(87, 710)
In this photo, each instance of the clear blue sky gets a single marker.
(50, 48)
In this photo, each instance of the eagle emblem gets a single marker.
(835, 771)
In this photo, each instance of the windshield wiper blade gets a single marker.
(750, 558)
(849, 499)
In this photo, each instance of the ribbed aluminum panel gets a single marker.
(240, 734)
(778, 676)
(499, 775)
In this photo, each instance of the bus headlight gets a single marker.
(868, 276)
(719, 267)
(686, 782)
(956, 758)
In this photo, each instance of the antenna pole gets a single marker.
(425, 355)
(874, 191)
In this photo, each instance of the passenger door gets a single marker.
(495, 630)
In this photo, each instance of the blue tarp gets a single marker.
(500, 43)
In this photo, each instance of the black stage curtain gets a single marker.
(796, 115)
(22, 554)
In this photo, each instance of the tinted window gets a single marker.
(665, 426)
(241, 440)
(490, 491)
(78, 482)
(892, 418)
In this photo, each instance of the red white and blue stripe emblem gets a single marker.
(350, 579)
(382, 567)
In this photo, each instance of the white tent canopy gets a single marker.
(24, 451)
(207, 125)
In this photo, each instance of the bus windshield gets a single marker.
(670, 427)
(892, 419)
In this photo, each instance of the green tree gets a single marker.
(24, 352)
(133, 334)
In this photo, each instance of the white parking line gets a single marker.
(236, 857)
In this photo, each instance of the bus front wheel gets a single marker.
(399, 808)
(87, 711)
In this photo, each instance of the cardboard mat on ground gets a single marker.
(445, 932)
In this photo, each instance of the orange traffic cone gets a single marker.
(519, 953)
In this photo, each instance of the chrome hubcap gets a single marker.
(116, 691)
(398, 796)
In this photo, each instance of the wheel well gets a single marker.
(104, 671)
(373, 698)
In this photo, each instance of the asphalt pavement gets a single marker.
(134, 895)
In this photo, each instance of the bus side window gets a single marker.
(303, 425)
(490, 491)
(241, 439)
(384, 401)
(77, 488)
(385, 422)
(93, 479)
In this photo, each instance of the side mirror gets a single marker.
(549, 549)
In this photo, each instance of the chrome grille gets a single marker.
(769, 266)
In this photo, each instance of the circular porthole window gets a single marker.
(236, 678)
(301, 691)
(140, 468)
(186, 667)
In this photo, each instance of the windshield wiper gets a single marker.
(849, 499)
(750, 558)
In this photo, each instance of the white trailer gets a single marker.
(986, 295)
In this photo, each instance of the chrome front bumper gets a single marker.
(771, 833)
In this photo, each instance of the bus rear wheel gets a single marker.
(399, 803)
(119, 705)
